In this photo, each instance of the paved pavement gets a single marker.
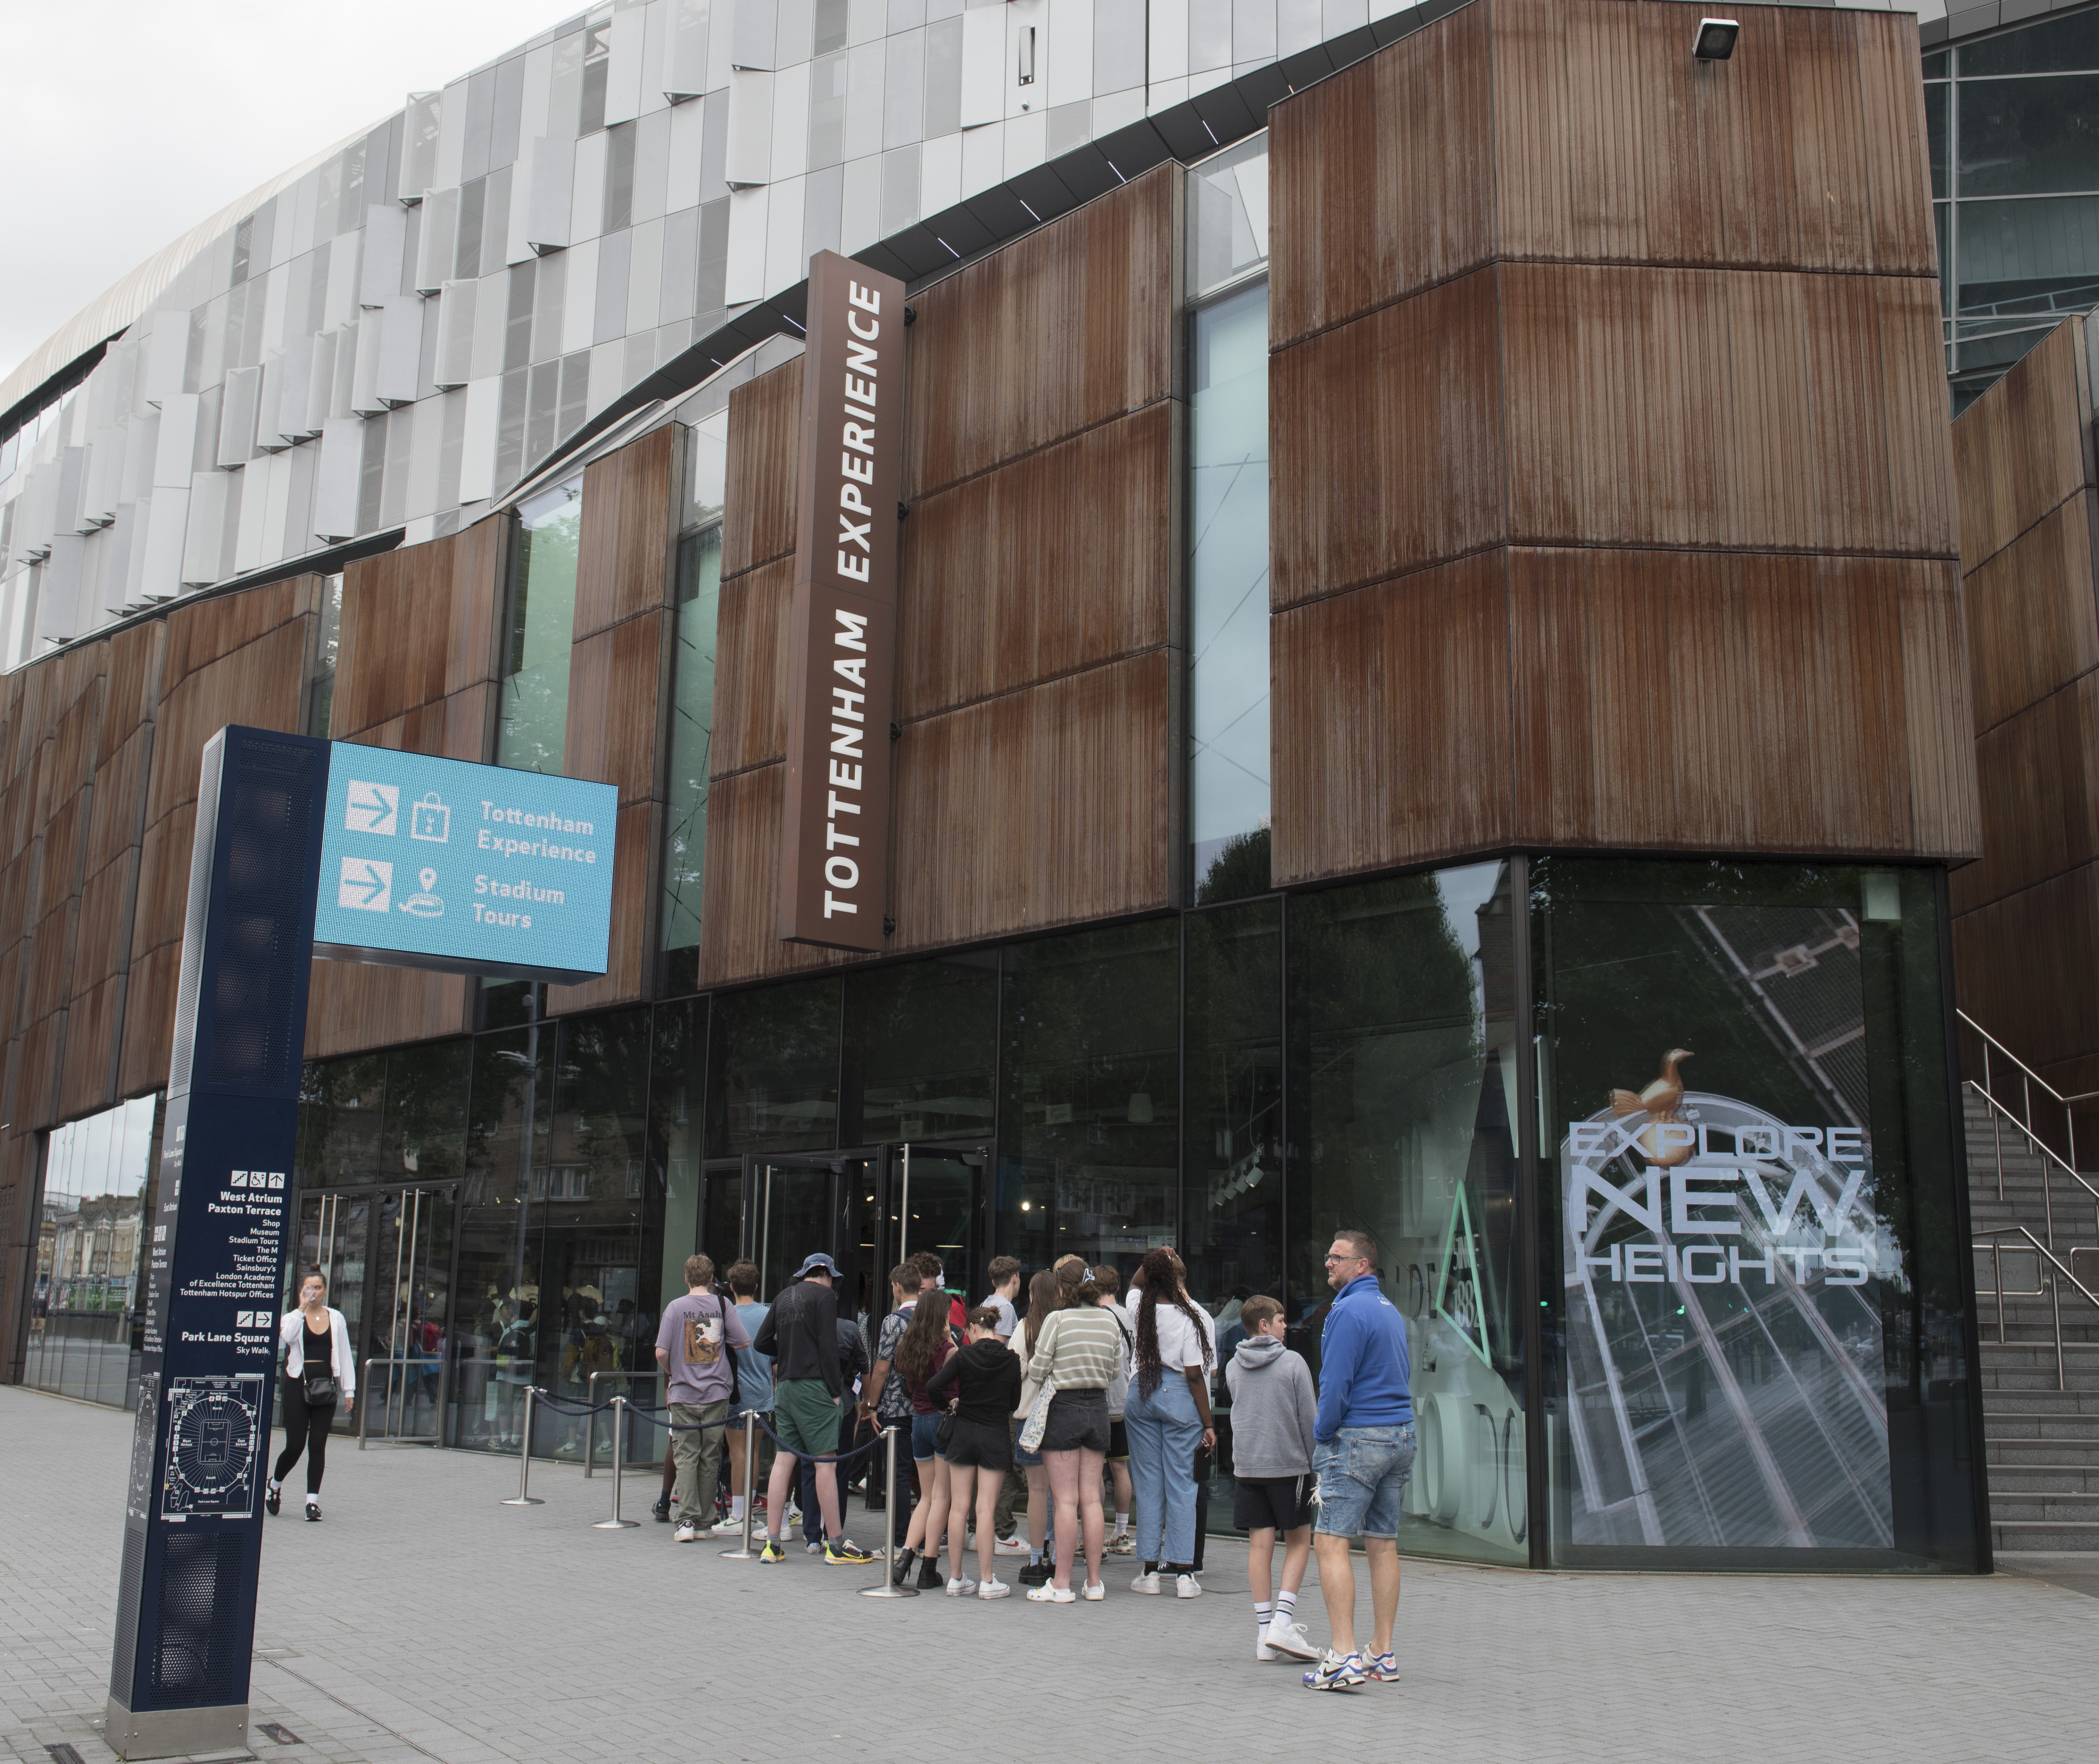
(423, 1619)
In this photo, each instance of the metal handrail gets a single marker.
(590, 1420)
(2028, 1078)
(364, 1408)
(2040, 1145)
(2054, 1289)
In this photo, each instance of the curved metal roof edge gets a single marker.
(125, 302)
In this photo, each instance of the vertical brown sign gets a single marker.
(834, 835)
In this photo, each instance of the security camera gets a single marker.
(1716, 39)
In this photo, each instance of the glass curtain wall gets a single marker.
(2013, 126)
(87, 1310)
(1719, 1318)
(1088, 1153)
(1403, 1105)
(1228, 676)
(691, 709)
(1757, 1243)
(534, 717)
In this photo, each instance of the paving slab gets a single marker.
(423, 1619)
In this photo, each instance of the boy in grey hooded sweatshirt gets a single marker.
(1273, 1407)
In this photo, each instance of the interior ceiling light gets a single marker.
(1716, 39)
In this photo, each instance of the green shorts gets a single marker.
(805, 1415)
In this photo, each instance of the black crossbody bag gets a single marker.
(320, 1385)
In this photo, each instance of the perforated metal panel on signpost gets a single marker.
(540, 848)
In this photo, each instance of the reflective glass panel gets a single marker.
(534, 713)
(342, 1111)
(677, 1169)
(1403, 1100)
(2025, 137)
(587, 1204)
(1088, 1161)
(1228, 663)
(2055, 47)
(1228, 214)
(498, 1327)
(921, 1051)
(1934, 123)
(2017, 259)
(773, 1070)
(87, 1306)
(1748, 1153)
(691, 712)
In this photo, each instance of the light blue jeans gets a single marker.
(1163, 1431)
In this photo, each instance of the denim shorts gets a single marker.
(925, 1437)
(1363, 1474)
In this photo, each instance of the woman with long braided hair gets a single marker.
(1166, 1413)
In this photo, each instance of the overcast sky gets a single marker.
(123, 123)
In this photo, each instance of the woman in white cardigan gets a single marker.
(318, 1371)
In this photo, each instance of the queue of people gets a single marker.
(1092, 1402)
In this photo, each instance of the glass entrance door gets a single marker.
(334, 1232)
(938, 1203)
(405, 1313)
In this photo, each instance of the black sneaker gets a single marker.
(313, 1510)
(274, 1498)
(1037, 1574)
(661, 1509)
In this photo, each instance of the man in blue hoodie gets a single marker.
(1363, 1453)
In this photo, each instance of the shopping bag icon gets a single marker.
(370, 808)
(429, 820)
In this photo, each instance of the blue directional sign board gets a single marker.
(436, 864)
(424, 863)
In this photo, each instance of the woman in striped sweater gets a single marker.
(1077, 1356)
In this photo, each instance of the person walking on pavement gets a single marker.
(318, 1366)
(1362, 1454)
(801, 1333)
(694, 1342)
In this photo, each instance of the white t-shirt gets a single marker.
(1009, 1319)
(1181, 1342)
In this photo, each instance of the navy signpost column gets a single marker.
(193, 1516)
(405, 860)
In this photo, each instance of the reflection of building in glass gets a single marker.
(87, 1307)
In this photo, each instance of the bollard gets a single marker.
(524, 1496)
(888, 1588)
(744, 1553)
(619, 1467)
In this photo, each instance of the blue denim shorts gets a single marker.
(1363, 1474)
(925, 1438)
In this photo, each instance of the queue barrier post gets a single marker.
(525, 1497)
(619, 1466)
(888, 1588)
(744, 1552)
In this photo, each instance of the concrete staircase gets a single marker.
(2042, 1441)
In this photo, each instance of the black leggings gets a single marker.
(305, 1430)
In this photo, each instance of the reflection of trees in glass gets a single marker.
(692, 719)
(1239, 869)
(921, 1051)
(773, 1079)
(1232, 1206)
(1092, 1074)
(535, 710)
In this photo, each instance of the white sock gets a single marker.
(1263, 1610)
(275, 1486)
(1286, 1606)
(1122, 1525)
(313, 1500)
(736, 1506)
